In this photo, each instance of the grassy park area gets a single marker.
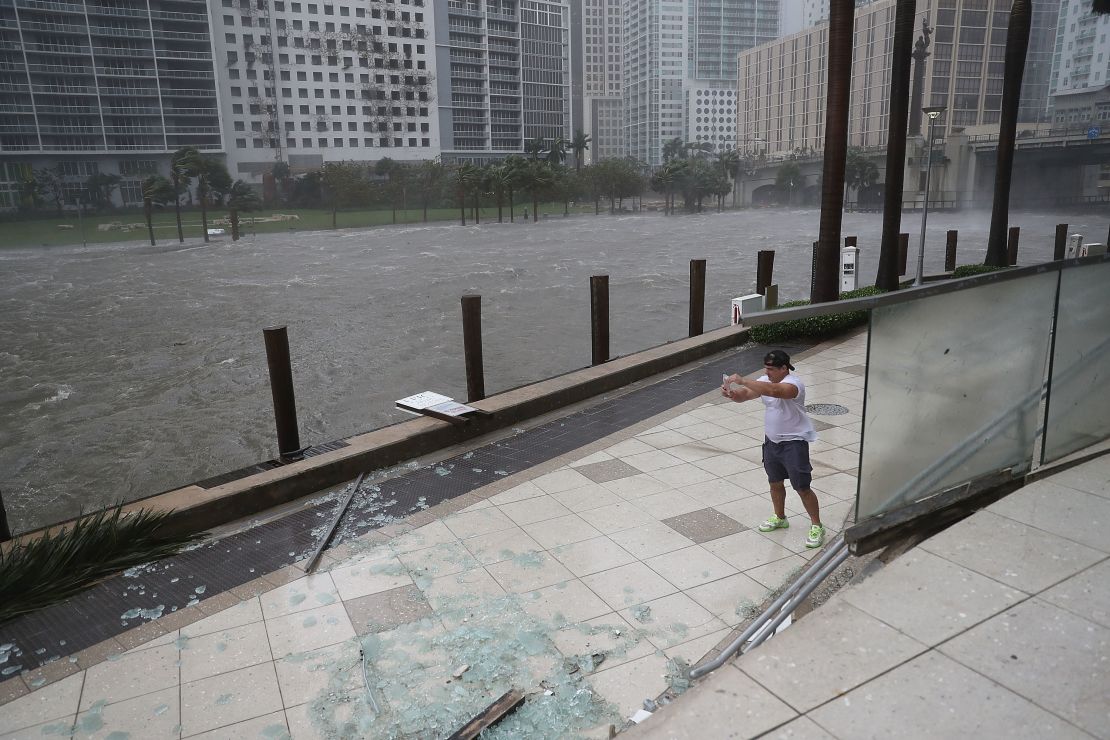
(66, 230)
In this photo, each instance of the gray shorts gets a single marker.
(788, 459)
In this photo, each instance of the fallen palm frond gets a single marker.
(53, 567)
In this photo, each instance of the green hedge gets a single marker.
(815, 326)
(968, 270)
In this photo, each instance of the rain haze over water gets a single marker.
(127, 369)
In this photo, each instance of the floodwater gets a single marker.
(127, 369)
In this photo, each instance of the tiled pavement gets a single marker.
(997, 627)
(582, 583)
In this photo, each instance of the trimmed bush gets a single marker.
(815, 326)
(963, 271)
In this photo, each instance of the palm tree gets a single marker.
(859, 172)
(429, 175)
(886, 277)
(538, 178)
(787, 180)
(579, 144)
(156, 189)
(465, 176)
(516, 165)
(1017, 44)
(557, 152)
(674, 149)
(500, 180)
(535, 147)
(182, 164)
(729, 160)
(827, 261)
(240, 197)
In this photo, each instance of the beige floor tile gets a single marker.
(1011, 552)
(628, 684)
(475, 523)
(586, 498)
(635, 486)
(131, 675)
(1085, 594)
(439, 560)
(802, 728)
(561, 480)
(684, 475)
(370, 577)
(1074, 515)
(229, 698)
(561, 531)
(268, 726)
(1045, 654)
(591, 459)
(498, 546)
(754, 480)
(536, 509)
(648, 462)
(564, 603)
(245, 612)
(934, 696)
(682, 420)
(449, 591)
(692, 651)
(609, 635)
(727, 464)
(663, 440)
(716, 491)
(629, 584)
(306, 676)
(754, 510)
(62, 726)
(745, 550)
(53, 702)
(523, 492)
(839, 459)
(154, 715)
(689, 567)
(316, 628)
(300, 595)
(529, 572)
(617, 517)
(668, 504)
(854, 647)
(649, 540)
(732, 599)
(592, 556)
(435, 533)
(775, 574)
(224, 651)
(735, 442)
(483, 504)
(672, 620)
(1091, 477)
(628, 447)
(734, 706)
(703, 430)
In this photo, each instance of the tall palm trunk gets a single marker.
(147, 208)
(500, 201)
(177, 209)
(512, 217)
(462, 206)
(202, 187)
(887, 277)
(535, 207)
(477, 209)
(841, 30)
(1017, 44)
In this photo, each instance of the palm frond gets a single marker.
(54, 567)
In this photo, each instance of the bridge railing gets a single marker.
(1052, 133)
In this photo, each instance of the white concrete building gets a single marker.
(328, 80)
(711, 115)
(655, 36)
(603, 75)
(1082, 55)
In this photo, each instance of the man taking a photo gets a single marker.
(788, 431)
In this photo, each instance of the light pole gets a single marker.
(933, 112)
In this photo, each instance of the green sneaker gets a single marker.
(774, 523)
(816, 536)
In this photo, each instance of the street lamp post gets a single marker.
(933, 112)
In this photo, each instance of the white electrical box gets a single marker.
(745, 305)
(1075, 243)
(1092, 250)
(849, 269)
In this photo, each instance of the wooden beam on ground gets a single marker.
(489, 716)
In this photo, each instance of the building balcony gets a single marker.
(170, 112)
(187, 74)
(200, 38)
(126, 72)
(114, 32)
(66, 89)
(54, 27)
(179, 54)
(73, 49)
(192, 92)
(121, 51)
(459, 44)
(126, 92)
(19, 108)
(51, 7)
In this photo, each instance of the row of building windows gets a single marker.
(336, 142)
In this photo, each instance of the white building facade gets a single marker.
(655, 37)
(1080, 64)
(603, 65)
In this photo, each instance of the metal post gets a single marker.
(281, 386)
(765, 268)
(925, 207)
(599, 317)
(697, 297)
(1061, 245)
(903, 252)
(1012, 244)
(813, 268)
(472, 347)
(950, 250)
(5, 530)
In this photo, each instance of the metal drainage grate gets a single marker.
(826, 409)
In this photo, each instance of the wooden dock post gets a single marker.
(599, 317)
(765, 268)
(950, 250)
(1059, 250)
(1012, 244)
(472, 347)
(697, 297)
(281, 386)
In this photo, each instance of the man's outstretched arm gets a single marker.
(775, 390)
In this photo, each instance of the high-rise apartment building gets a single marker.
(721, 29)
(1080, 63)
(504, 75)
(603, 70)
(1036, 81)
(107, 87)
(655, 35)
(336, 80)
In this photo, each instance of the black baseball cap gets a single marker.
(777, 358)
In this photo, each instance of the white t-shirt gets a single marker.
(785, 419)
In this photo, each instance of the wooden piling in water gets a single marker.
(472, 347)
(765, 268)
(697, 297)
(1012, 245)
(950, 250)
(281, 387)
(903, 252)
(599, 317)
(1059, 249)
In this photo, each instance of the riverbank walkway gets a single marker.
(590, 581)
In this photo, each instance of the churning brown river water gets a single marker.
(127, 369)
